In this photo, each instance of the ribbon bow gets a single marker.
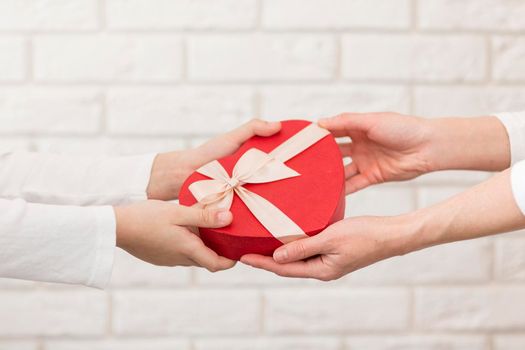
(256, 166)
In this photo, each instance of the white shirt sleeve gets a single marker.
(514, 123)
(66, 244)
(517, 182)
(59, 179)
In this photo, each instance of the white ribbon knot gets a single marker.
(255, 167)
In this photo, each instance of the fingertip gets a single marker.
(331, 123)
(224, 217)
(324, 122)
(226, 263)
(281, 255)
(246, 259)
(267, 128)
(254, 260)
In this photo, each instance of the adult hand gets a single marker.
(394, 147)
(171, 169)
(384, 147)
(344, 247)
(161, 233)
(486, 209)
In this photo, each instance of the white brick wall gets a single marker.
(401, 57)
(136, 76)
(13, 52)
(107, 58)
(263, 57)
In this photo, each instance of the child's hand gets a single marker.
(171, 169)
(161, 233)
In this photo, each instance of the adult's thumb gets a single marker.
(296, 250)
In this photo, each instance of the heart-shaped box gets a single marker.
(313, 200)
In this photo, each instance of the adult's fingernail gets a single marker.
(224, 217)
(322, 121)
(280, 255)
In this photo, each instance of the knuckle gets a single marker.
(206, 217)
(256, 123)
(281, 273)
(213, 267)
(300, 250)
(327, 276)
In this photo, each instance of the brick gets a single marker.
(18, 345)
(417, 342)
(108, 58)
(120, 344)
(131, 272)
(45, 15)
(413, 58)
(108, 145)
(53, 313)
(460, 262)
(509, 342)
(319, 311)
(192, 312)
(50, 110)
(510, 258)
(263, 57)
(440, 101)
(177, 111)
(381, 200)
(13, 60)
(312, 102)
(335, 14)
(264, 343)
(470, 308)
(508, 62)
(471, 14)
(184, 14)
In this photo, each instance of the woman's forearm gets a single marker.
(469, 143)
(486, 209)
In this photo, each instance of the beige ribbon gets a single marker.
(254, 167)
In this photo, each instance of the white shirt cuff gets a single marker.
(517, 181)
(105, 247)
(52, 243)
(514, 123)
(138, 170)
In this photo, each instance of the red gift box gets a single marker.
(312, 199)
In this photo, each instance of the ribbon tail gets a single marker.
(272, 218)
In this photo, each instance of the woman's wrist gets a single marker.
(167, 176)
(409, 232)
(468, 143)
